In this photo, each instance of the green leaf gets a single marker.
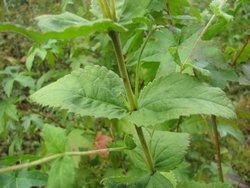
(174, 95)
(7, 109)
(176, 7)
(155, 181)
(220, 77)
(193, 184)
(170, 176)
(245, 79)
(214, 29)
(128, 9)
(156, 50)
(59, 22)
(62, 173)
(129, 142)
(125, 9)
(55, 139)
(23, 179)
(79, 29)
(236, 133)
(92, 91)
(216, 7)
(206, 51)
(77, 139)
(167, 151)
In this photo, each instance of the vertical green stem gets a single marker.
(145, 149)
(115, 36)
(139, 66)
(217, 148)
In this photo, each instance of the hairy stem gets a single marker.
(115, 36)
(146, 151)
(241, 50)
(217, 148)
(49, 158)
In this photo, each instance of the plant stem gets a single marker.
(241, 50)
(49, 158)
(198, 40)
(115, 36)
(146, 150)
(139, 66)
(122, 68)
(113, 11)
(217, 148)
(201, 34)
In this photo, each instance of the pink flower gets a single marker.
(100, 143)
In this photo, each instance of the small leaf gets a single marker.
(23, 178)
(167, 151)
(216, 7)
(214, 29)
(55, 139)
(156, 50)
(155, 181)
(92, 91)
(8, 107)
(176, 7)
(236, 133)
(174, 95)
(62, 173)
(129, 142)
(245, 79)
(193, 184)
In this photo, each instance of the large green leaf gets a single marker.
(174, 95)
(167, 151)
(92, 91)
(155, 181)
(193, 184)
(62, 173)
(55, 139)
(125, 9)
(64, 26)
(23, 179)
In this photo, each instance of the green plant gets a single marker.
(175, 65)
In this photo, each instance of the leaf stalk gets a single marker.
(146, 150)
(49, 158)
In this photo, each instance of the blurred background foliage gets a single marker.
(26, 67)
